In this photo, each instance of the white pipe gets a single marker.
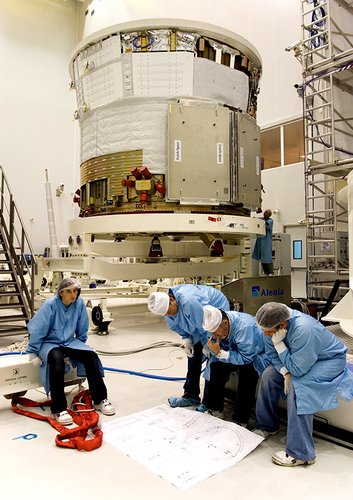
(54, 247)
(343, 311)
(350, 227)
(345, 197)
(282, 145)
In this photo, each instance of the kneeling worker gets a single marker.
(59, 330)
(236, 344)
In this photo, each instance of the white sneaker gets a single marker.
(282, 458)
(265, 434)
(105, 407)
(64, 418)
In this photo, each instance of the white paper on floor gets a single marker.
(182, 446)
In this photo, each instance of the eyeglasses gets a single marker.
(67, 291)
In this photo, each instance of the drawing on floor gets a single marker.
(200, 445)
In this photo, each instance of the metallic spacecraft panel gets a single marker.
(247, 151)
(198, 154)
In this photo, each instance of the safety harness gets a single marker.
(86, 436)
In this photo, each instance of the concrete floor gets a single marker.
(37, 467)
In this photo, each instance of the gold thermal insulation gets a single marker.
(114, 167)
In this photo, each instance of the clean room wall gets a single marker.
(38, 131)
(270, 25)
(284, 194)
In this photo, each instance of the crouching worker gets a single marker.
(182, 308)
(59, 330)
(236, 344)
(308, 365)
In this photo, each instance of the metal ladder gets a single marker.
(18, 267)
(327, 60)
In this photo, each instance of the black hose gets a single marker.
(330, 299)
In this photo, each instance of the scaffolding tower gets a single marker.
(326, 54)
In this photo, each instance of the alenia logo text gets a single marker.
(257, 291)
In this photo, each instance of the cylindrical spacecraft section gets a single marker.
(167, 113)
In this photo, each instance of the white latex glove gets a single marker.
(278, 336)
(35, 360)
(287, 382)
(206, 350)
(189, 348)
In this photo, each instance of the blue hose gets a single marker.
(130, 372)
(10, 353)
(141, 374)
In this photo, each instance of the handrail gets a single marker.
(18, 243)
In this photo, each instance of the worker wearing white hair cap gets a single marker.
(182, 308)
(59, 330)
(308, 367)
(67, 283)
(236, 344)
(212, 318)
(158, 303)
